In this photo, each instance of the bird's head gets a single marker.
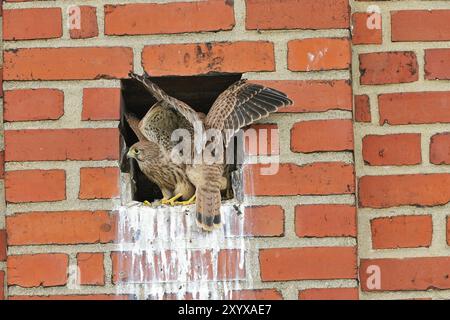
(143, 151)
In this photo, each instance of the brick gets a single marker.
(263, 294)
(74, 297)
(88, 27)
(297, 14)
(414, 107)
(262, 139)
(322, 135)
(99, 183)
(367, 28)
(312, 263)
(145, 268)
(67, 63)
(437, 64)
(2, 245)
(362, 108)
(35, 186)
(290, 179)
(67, 227)
(329, 294)
(318, 54)
(429, 25)
(329, 220)
(46, 270)
(2, 285)
(168, 18)
(61, 144)
(388, 67)
(448, 230)
(193, 59)
(2, 164)
(31, 24)
(33, 104)
(392, 149)
(440, 148)
(407, 274)
(267, 221)
(398, 190)
(1, 82)
(314, 96)
(401, 232)
(101, 104)
(91, 269)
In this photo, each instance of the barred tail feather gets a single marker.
(208, 202)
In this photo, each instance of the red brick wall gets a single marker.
(61, 111)
(402, 113)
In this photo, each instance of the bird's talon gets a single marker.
(147, 203)
(171, 201)
(187, 202)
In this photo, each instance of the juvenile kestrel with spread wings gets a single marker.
(239, 106)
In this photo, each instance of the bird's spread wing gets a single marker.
(242, 104)
(134, 124)
(172, 102)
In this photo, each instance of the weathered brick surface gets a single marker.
(35, 186)
(414, 107)
(428, 25)
(163, 18)
(408, 274)
(307, 263)
(396, 190)
(32, 24)
(295, 14)
(101, 104)
(88, 27)
(437, 64)
(99, 183)
(402, 232)
(362, 108)
(392, 149)
(48, 270)
(70, 227)
(34, 104)
(388, 67)
(440, 148)
(314, 179)
(325, 221)
(67, 63)
(365, 28)
(92, 270)
(61, 144)
(318, 54)
(191, 59)
(322, 135)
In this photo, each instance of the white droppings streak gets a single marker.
(170, 258)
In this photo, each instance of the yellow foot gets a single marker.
(186, 203)
(171, 201)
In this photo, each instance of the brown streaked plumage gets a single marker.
(153, 152)
(240, 105)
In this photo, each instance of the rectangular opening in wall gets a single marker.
(199, 92)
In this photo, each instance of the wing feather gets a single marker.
(242, 104)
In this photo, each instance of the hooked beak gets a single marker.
(130, 154)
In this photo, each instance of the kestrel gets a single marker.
(238, 106)
(153, 152)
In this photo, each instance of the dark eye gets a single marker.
(137, 151)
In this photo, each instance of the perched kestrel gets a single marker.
(153, 152)
(239, 106)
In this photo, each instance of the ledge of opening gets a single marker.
(199, 92)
